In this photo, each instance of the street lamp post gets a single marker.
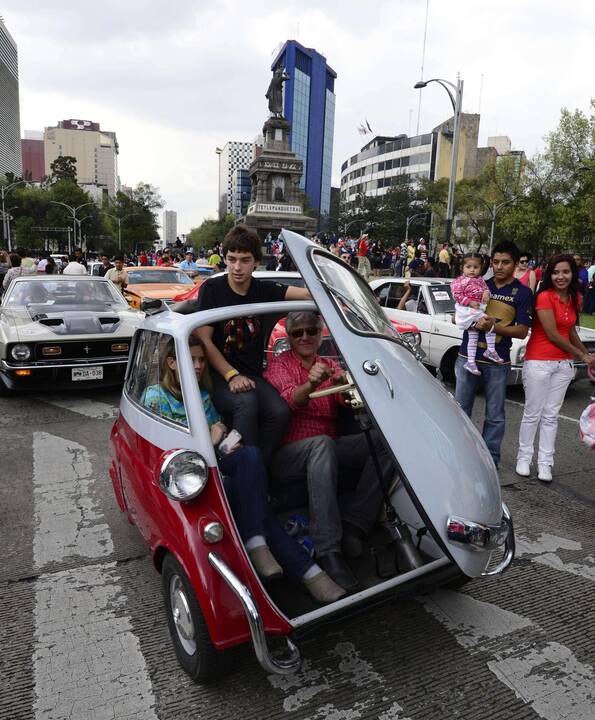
(494, 210)
(457, 104)
(5, 221)
(79, 223)
(119, 221)
(73, 211)
(409, 220)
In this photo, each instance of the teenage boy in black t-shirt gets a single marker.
(234, 347)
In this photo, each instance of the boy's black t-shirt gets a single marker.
(239, 340)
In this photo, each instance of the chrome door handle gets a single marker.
(373, 367)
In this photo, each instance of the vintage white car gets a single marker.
(64, 331)
(431, 307)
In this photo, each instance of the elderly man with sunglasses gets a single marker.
(312, 450)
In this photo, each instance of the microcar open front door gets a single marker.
(445, 464)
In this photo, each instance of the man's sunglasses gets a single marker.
(310, 332)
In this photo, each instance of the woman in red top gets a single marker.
(548, 367)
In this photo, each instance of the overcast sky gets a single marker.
(175, 80)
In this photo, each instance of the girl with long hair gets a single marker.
(548, 368)
(269, 548)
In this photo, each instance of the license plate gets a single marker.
(87, 373)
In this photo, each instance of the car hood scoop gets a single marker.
(77, 323)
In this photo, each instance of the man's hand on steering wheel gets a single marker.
(319, 372)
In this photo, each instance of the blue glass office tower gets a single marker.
(309, 106)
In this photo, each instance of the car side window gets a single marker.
(152, 379)
(382, 293)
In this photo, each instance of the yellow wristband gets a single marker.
(231, 374)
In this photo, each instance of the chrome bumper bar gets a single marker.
(49, 364)
(270, 663)
(476, 536)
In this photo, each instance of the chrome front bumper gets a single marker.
(271, 664)
(49, 364)
(486, 538)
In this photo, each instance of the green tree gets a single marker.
(137, 214)
(64, 168)
(210, 232)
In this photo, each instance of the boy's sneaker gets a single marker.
(493, 355)
(264, 563)
(544, 473)
(472, 368)
(523, 468)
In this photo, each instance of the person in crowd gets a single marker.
(444, 261)
(16, 270)
(509, 311)
(312, 452)
(406, 302)
(50, 267)
(397, 263)
(105, 265)
(43, 261)
(456, 263)
(423, 249)
(548, 367)
(539, 271)
(4, 267)
(524, 273)
(143, 260)
(416, 265)
(234, 347)
(589, 304)
(363, 263)
(188, 264)
(79, 257)
(27, 262)
(215, 260)
(73, 267)
(471, 295)
(269, 548)
(583, 275)
(118, 274)
(428, 268)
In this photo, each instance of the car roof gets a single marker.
(38, 277)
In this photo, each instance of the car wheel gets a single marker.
(188, 629)
(447, 366)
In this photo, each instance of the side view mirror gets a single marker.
(152, 307)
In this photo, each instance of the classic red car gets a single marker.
(443, 519)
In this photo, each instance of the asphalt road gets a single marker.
(83, 634)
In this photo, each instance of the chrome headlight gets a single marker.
(20, 352)
(183, 474)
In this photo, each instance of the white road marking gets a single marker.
(87, 662)
(68, 522)
(543, 551)
(84, 406)
(546, 675)
(562, 417)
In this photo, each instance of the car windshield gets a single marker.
(76, 293)
(163, 275)
(353, 297)
(442, 298)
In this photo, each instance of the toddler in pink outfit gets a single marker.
(471, 296)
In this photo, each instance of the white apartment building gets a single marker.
(95, 150)
(233, 156)
(170, 227)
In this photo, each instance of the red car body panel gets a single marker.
(176, 527)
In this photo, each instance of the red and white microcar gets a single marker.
(445, 520)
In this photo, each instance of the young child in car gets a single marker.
(471, 296)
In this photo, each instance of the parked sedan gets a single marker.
(63, 331)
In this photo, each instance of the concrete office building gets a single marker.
(375, 168)
(169, 232)
(33, 155)
(233, 156)
(95, 150)
(10, 124)
(309, 106)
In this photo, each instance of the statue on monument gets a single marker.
(275, 92)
